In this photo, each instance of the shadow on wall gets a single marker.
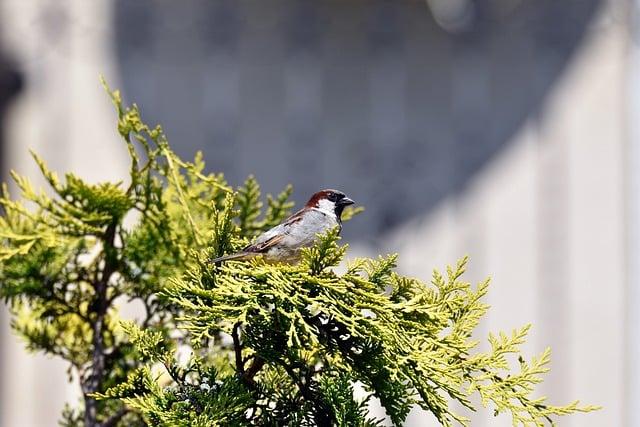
(376, 97)
(10, 84)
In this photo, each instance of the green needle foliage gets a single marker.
(241, 343)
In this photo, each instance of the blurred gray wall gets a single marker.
(394, 103)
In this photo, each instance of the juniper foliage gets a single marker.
(269, 344)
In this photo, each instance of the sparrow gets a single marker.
(283, 242)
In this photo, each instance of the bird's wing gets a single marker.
(265, 241)
(252, 250)
(274, 235)
(265, 245)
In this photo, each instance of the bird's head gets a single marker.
(330, 201)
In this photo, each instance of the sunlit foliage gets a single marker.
(268, 344)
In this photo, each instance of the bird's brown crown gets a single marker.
(332, 195)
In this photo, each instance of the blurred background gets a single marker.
(508, 130)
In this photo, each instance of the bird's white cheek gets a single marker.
(326, 206)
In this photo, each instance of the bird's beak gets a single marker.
(345, 201)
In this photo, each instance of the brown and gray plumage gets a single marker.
(283, 242)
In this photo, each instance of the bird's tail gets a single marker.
(239, 256)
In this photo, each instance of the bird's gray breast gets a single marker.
(315, 221)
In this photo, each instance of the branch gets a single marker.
(237, 348)
(322, 415)
(255, 367)
(258, 362)
(100, 306)
(113, 419)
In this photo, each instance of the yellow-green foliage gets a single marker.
(67, 254)
(272, 344)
